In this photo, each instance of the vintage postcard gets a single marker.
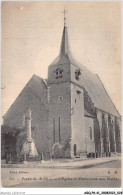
(61, 94)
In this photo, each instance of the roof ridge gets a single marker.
(34, 75)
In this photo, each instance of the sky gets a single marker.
(31, 36)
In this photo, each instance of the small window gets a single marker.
(78, 92)
(90, 133)
(75, 101)
(58, 73)
(77, 74)
(75, 149)
(60, 98)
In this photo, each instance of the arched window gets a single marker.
(60, 98)
(90, 133)
(58, 73)
(77, 74)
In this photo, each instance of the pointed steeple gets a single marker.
(64, 42)
(64, 49)
(65, 54)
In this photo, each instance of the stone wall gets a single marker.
(90, 139)
(60, 116)
(65, 68)
(107, 133)
(77, 121)
(118, 134)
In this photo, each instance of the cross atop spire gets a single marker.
(64, 12)
(65, 54)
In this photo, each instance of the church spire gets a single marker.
(64, 49)
(65, 55)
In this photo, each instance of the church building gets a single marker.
(72, 115)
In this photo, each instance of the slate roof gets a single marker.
(91, 81)
(98, 93)
(37, 85)
(65, 54)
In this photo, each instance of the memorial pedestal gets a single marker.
(29, 148)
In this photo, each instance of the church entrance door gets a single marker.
(57, 150)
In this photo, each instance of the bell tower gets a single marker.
(59, 69)
(63, 92)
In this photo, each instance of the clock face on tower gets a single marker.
(77, 74)
(58, 73)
